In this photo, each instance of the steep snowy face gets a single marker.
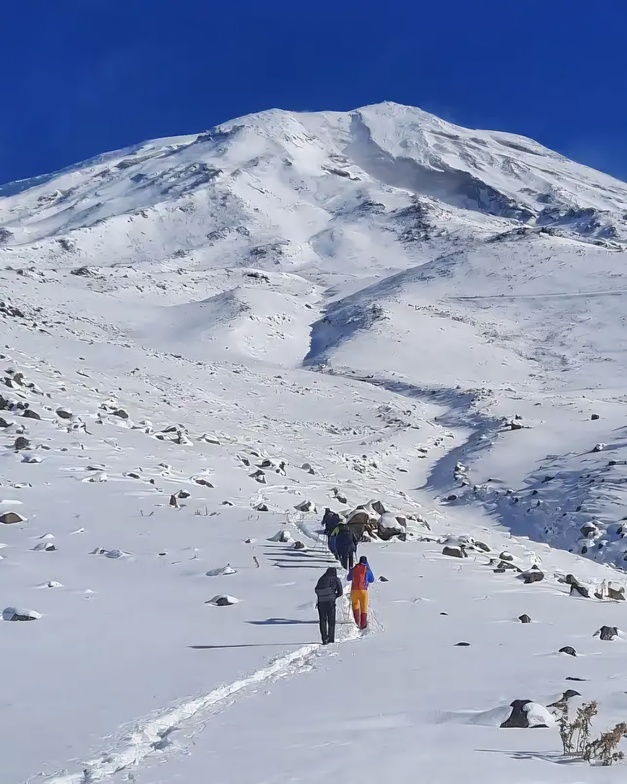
(285, 237)
(303, 175)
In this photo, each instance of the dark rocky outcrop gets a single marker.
(458, 551)
(577, 588)
(533, 575)
(617, 594)
(11, 518)
(519, 717)
(606, 633)
(567, 695)
(19, 614)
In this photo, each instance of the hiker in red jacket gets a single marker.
(360, 576)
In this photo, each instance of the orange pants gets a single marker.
(359, 601)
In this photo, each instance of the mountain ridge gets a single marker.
(382, 242)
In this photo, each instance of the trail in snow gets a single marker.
(151, 735)
(146, 738)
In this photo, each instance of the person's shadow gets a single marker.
(273, 621)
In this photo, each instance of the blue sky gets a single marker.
(86, 76)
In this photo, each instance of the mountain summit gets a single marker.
(293, 174)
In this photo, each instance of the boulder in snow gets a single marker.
(390, 522)
(64, 413)
(606, 632)
(281, 536)
(10, 518)
(223, 600)
(20, 614)
(569, 650)
(524, 619)
(259, 476)
(528, 715)
(455, 551)
(21, 442)
(278, 466)
(616, 592)
(533, 575)
(202, 480)
(306, 506)
(97, 476)
(589, 530)
(339, 496)
(209, 439)
(115, 553)
(378, 507)
(567, 695)
(45, 546)
(228, 569)
(577, 588)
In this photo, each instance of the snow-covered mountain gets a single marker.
(306, 310)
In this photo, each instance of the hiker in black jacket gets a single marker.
(328, 590)
(346, 542)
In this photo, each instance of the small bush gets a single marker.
(575, 734)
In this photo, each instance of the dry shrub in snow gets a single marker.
(576, 735)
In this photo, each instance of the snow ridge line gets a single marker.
(144, 739)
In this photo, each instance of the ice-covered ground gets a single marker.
(289, 308)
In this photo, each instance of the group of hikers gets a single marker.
(342, 542)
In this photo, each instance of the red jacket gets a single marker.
(361, 576)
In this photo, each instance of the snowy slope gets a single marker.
(366, 305)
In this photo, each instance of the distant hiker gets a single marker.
(330, 521)
(360, 576)
(346, 545)
(328, 590)
(332, 545)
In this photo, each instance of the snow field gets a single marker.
(284, 310)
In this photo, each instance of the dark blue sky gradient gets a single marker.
(86, 76)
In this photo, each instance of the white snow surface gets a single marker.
(288, 308)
